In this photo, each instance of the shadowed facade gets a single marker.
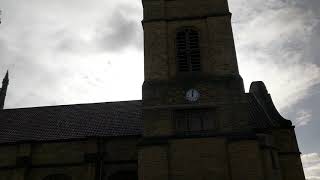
(195, 120)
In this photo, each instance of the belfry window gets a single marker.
(188, 50)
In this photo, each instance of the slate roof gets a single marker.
(258, 116)
(71, 121)
(111, 119)
(262, 111)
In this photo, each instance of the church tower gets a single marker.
(191, 67)
(3, 90)
(197, 118)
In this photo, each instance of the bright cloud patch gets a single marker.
(64, 52)
(272, 41)
(61, 52)
(303, 117)
(286, 87)
(311, 164)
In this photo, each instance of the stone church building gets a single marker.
(195, 121)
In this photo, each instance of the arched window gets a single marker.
(57, 177)
(188, 50)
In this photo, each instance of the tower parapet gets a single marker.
(170, 10)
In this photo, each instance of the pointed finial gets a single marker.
(3, 91)
(7, 75)
(6, 78)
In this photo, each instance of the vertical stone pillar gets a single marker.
(289, 154)
(245, 160)
(91, 158)
(23, 161)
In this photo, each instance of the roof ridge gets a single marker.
(66, 105)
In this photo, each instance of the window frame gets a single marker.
(184, 117)
(192, 63)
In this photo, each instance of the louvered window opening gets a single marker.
(193, 120)
(188, 51)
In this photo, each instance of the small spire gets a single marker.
(6, 78)
(3, 91)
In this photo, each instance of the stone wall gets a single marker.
(79, 159)
(164, 9)
(218, 56)
(289, 154)
(207, 158)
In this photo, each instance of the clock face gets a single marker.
(192, 95)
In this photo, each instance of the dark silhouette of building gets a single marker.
(195, 120)
(3, 90)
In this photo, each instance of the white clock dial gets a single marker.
(192, 95)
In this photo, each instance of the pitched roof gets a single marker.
(263, 113)
(258, 117)
(71, 121)
(111, 119)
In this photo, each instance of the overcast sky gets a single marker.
(79, 51)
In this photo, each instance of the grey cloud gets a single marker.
(278, 27)
(312, 47)
(113, 32)
(69, 42)
(303, 117)
(307, 4)
(120, 32)
(306, 134)
(277, 35)
(311, 163)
